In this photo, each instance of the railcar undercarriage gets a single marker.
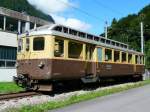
(32, 85)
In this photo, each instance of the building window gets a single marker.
(8, 53)
(2, 63)
(59, 48)
(7, 56)
(38, 43)
(1, 22)
(108, 55)
(75, 50)
(10, 63)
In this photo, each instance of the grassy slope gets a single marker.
(77, 98)
(8, 87)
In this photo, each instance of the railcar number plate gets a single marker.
(108, 67)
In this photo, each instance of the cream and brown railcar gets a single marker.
(57, 53)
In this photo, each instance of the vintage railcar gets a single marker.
(56, 53)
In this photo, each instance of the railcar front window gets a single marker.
(20, 45)
(38, 44)
(27, 44)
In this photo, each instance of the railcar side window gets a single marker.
(124, 57)
(130, 58)
(137, 59)
(141, 59)
(75, 50)
(117, 56)
(102, 40)
(108, 55)
(59, 48)
(38, 43)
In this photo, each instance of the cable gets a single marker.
(107, 7)
(82, 11)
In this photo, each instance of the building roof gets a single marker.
(23, 16)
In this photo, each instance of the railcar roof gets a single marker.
(67, 32)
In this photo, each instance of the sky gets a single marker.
(88, 15)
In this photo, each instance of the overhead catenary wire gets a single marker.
(82, 11)
(96, 17)
(107, 7)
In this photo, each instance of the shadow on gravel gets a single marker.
(60, 88)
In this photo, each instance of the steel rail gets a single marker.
(17, 95)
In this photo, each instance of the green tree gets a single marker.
(127, 30)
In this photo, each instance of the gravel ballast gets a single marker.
(18, 103)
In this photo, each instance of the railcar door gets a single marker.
(99, 59)
(91, 64)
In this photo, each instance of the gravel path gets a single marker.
(17, 103)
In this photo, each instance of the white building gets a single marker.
(11, 23)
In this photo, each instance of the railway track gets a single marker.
(10, 96)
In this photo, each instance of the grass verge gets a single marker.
(9, 87)
(78, 98)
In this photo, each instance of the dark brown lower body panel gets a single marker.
(57, 69)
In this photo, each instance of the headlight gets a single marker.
(41, 65)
